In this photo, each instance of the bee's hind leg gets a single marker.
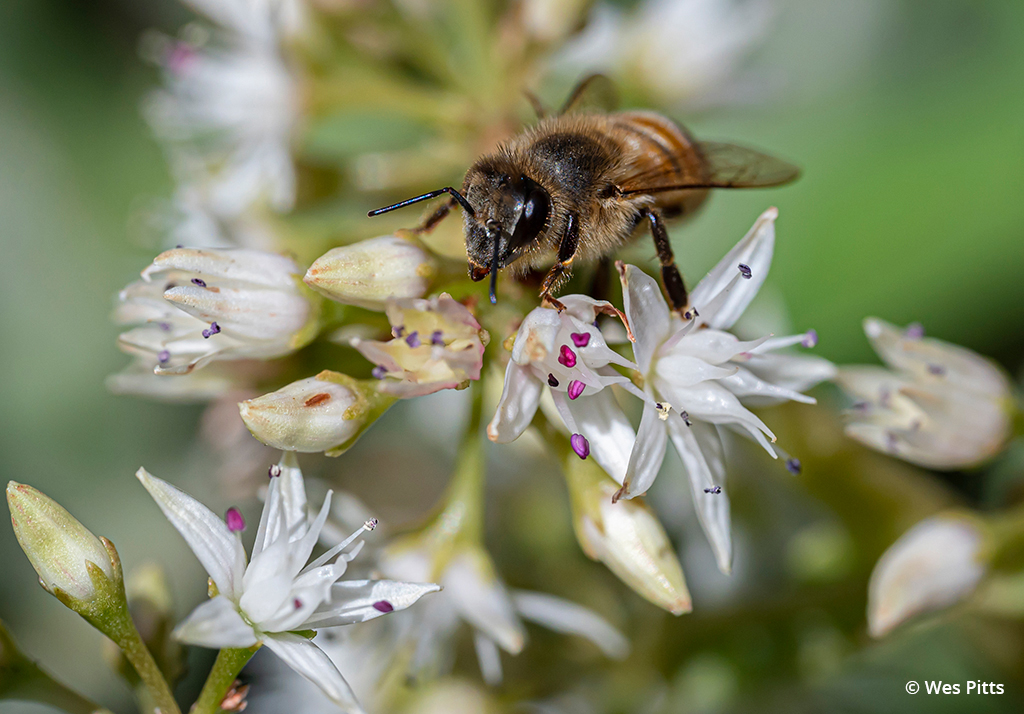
(671, 278)
(566, 252)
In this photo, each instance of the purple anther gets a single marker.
(379, 371)
(383, 606)
(437, 338)
(211, 331)
(580, 445)
(165, 326)
(235, 521)
(580, 339)
(937, 369)
(164, 356)
(413, 339)
(686, 418)
(745, 271)
(713, 489)
(914, 331)
(199, 281)
(552, 382)
(398, 331)
(794, 466)
(576, 388)
(810, 339)
(371, 524)
(274, 471)
(566, 357)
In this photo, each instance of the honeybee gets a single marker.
(579, 185)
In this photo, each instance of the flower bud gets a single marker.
(328, 412)
(59, 547)
(934, 565)
(626, 536)
(371, 272)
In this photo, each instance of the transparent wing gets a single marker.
(594, 94)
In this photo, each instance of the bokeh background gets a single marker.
(906, 118)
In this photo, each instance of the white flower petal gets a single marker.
(755, 251)
(699, 447)
(354, 601)
(791, 371)
(489, 657)
(216, 624)
(932, 566)
(284, 511)
(312, 663)
(207, 535)
(239, 266)
(756, 392)
(518, 405)
(711, 402)
(646, 311)
(568, 617)
(481, 599)
(599, 418)
(686, 371)
(648, 453)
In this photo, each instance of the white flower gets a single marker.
(475, 595)
(138, 379)
(698, 376)
(935, 564)
(269, 599)
(437, 344)
(200, 305)
(372, 272)
(938, 405)
(230, 107)
(567, 353)
(59, 547)
(327, 413)
(681, 51)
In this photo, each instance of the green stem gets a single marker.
(466, 489)
(126, 636)
(35, 685)
(224, 673)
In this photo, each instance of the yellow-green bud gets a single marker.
(58, 546)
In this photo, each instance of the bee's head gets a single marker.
(511, 212)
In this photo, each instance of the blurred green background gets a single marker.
(906, 116)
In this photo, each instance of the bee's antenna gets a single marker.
(426, 197)
(494, 232)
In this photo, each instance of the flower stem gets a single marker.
(465, 492)
(126, 636)
(225, 670)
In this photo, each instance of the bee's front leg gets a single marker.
(436, 217)
(566, 252)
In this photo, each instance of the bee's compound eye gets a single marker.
(533, 218)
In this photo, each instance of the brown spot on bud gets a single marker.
(317, 399)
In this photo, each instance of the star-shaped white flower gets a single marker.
(699, 377)
(273, 597)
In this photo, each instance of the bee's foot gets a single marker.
(552, 301)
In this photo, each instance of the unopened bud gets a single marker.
(59, 547)
(371, 272)
(626, 536)
(326, 413)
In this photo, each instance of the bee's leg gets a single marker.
(670, 276)
(566, 252)
(537, 104)
(436, 217)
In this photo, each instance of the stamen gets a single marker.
(213, 330)
(794, 466)
(165, 326)
(663, 409)
(552, 382)
(810, 339)
(713, 489)
(164, 356)
(297, 603)
(686, 418)
(368, 526)
(274, 471)
(580, 445)
(745, 271)
(383, 606)
(914, 331)
(371, 524)
(413, 340)
(566, 357)
(892, 441)
(379, 371)
(580, 339)
(437, 338)
(576, 388)
(197, 281)
(937, 369)
(398, 331)
(234, 519)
